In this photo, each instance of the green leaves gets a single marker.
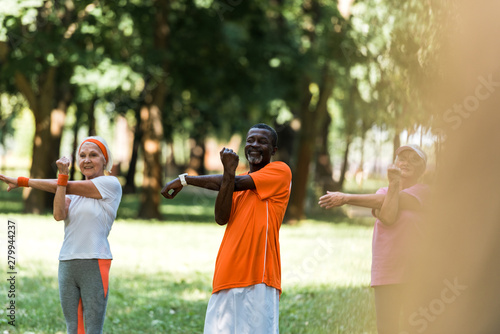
(107, 77)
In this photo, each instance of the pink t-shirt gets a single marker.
(394, 246)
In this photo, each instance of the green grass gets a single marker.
(160, 279)
(11, 201)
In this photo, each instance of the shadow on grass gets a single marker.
(176, 303)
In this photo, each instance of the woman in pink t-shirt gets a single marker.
(397, 232)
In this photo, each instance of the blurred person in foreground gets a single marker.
(456, 291)
(398, 232)
(88, 208)
(247, 277)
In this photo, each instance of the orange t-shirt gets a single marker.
(249, 253)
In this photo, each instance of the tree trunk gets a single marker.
(324, 168)
(197, 156)
(286, 134)
(129, 187)
(91, 118)
(360, 170)
(345, 164)
(76, 127)
(295, 210)
(36, 200)
(152, 125)
(152, 131)
(171, 167)
(286, 141)
(363, 141)
(396, 143)
(74, 157)
(311, 122)
(49, 122)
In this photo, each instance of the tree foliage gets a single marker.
(198, 69)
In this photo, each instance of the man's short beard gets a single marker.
(255, 160)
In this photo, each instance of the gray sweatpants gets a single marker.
(83, 290)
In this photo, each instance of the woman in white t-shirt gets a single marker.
(88, 208)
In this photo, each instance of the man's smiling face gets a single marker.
(259, 148)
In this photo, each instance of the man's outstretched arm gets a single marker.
(210, 182)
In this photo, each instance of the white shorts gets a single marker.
(250, 310)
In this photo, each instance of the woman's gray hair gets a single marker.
(109, 162)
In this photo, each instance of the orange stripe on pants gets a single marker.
(81, 329)
(104, 265)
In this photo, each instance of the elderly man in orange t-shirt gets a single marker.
(247, 277)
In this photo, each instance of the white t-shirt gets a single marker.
(89, 220)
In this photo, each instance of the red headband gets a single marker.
(98, 143)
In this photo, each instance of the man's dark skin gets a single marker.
(259, 149)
